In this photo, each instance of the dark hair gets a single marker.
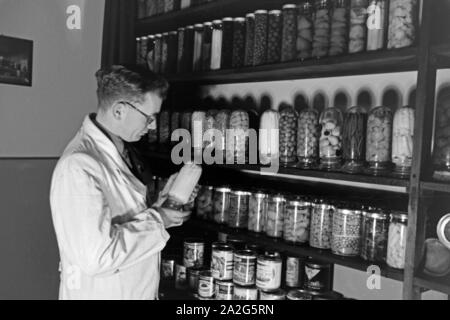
(127, 83)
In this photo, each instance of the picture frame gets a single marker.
(16, 61)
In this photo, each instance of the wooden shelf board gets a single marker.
(441, 284)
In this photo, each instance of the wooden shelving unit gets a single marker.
(436, 186)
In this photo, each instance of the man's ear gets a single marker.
(118, 110)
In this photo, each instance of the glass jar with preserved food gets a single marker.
(249, 38)
(345, 235)
(289, 35)
(308, 133)
(275, 216)
(210, 125)
(358, 26)
(339, 28)
(138, 51)
(238, 210)
(260, 43)
(322, 23)
(158, 53)
(441, 150)
(237, 139)
(275, 28)
(151, 8)
(376, 24)
(204, 202)
(379, 139)
(159, 6)
(185, 122)
(269, 137)
(402, 23)
(305, 30)
(238, 42)
(150, 56)
(174, 122)
(198, 125)
(198, 47)
(222, 120)
(169, 5)
(402, 141)
(216, 47)
(288, 135)
(227, 43)
(221, 200)
(396, 247)
(206, 46)
(164, 52)
(321, 225)
(354, 139)
(172, 51)
(164, 127)
(143, 51)
(374, 235)
(296, 220)
(330, 145)
(257, 211)
(180, 53)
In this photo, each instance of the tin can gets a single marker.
(167, 268)
(279, 294)
(318, 276)
(300, 294)
(193, 275)
(268, 271)
(193, 253)
(222, 261)
(294, 274)
(245, 293)
(206, 284)
(244, 271)
(180, 277)
(224, 290)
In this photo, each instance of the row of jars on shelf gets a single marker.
(297, 32)
(348, 230)
(149, 8)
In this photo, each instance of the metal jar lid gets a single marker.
(376, 214)
(250, 15)
(289, 6)
(260, 12)
(228, 284)
(301, 202)
(245, 253)
(277, 12)
(241, 193)
(222, 189)
(194, 241)
(349, 211)
(227, 19)
(399, 216)
(259, 194)
(278, 197)
(198, 25)
(270, 255)
(207, 24)
(217, 22)
(222, 246)
(239, 19)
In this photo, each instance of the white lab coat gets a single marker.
(109, 242)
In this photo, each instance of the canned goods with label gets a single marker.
(279, 294)
(244, 270)
(180, 277)
(206, 284)
(222, 261)
(193, 253)
(268, 271)
(245, 293)
(294, 272)
(318, 276)
(167, 268)
(224, 290)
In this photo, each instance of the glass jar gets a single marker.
(206, 46)
(174, 122)
(151, 8)
(141, 9)
(216, 48)
(396, 247)
(159, 6)
(275, 216)
(308, 132)
(441, 150)
(164, 52)
(138, 52)
(322, 23)
(237, 141)
(221, 124)
(198, 124)
(184, 4)
(374, 235)
(321, 225)
(376, 24)
(188, 50)
(339, 28)
(143, 52)
(150, 56)
(210, 125)
(402, 23)
(227, 43)
(238, 210)
(198, 47)
(379, 138)
(249, 38)
(288, 135)
(354, 139)
(274, 33)
(268, 137)
(180, 53)
(204, 202)
(169, 5)
(330, 150)
(221, 200)
(257, 211)
(345, 235)
(164, 127)
(305, 30)
(238, 43)
(402, 141)
(289, 34)
(297, 220)
(260, 44)
(185, 122)
(158, 53)
(172, 52)
(358, 26)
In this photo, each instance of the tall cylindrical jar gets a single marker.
(238, 42)
(441, 150)
(276, 205)
(322, 24)
(374, 235)
(227, 43)
(297, 221)
(150, 56)
(308, 132)
(158, 53)
(402, 141)
(210, 125)
(289, 37)
(237, 137)
(288, 135)
(376, 24)
(204, 203)
(138, 51)
(379, 139)
(188, 49)
(151, 8)
(339, 28)
(354, 139)
(321, 225)
(269, 137)
(172, 52)
(180, 54)
(238, 210)
(174, 121)
(305, 30)
(164, 127)
(274, 33)
(249, 38)
(185, 122)
(397, 235)
(198, 47)
(207, 46)
(345, 235)
(222, 121)
(221, 200)
(198, 125)
(216, 48)
(159, 6)
(257, 211)
(143, 52)
(358, 26)
(260, 44)
(164, 52)
(402, 23)
(330, 149)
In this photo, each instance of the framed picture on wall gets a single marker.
(16, 61)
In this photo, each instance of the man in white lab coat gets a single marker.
(109, 238)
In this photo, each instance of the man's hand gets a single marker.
(173, 218)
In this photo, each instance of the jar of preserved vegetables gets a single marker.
(441, 150)
(289, 37)
(172, 51)
(374, 235)
(210, 125)
(297, 220)
(260, 44)
(198, 125)
(164, 52)
(188, 50)
(376, 24)
(305, 30)
(204, 203)
(275, 216)
(308, 132)
(288, 135)
(354, 139)
(274, 32)
(379, 139)
(322, 24)
(257, 211)
(198, 47)
(150, 56)
(169, 5)
(339, 28)
(164, 127)
(402, 23)
(237, 139)
(180, 52)
(321, 225)
(216, 48)
(345, 235)
(151, 8)
(396, 247)
(227, 43)
(402, 141)
(238, 210)
(249, 38)
(206, 46)
(269, 137)
(221, 200)
(222, 120)
(358, 25)
(143, 50)
(330, 150)
(238, 42)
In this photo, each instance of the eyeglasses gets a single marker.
(149, 118)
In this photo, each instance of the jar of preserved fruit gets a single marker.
(275, 216)
(330, 150)
(227, 43)
(275, 28)
(198, 47)
(221, 200)
(402, 23)
(358, 26)
(289, 37)
(206, 46)
(288, 135)
(268, 272)
(441, 151)
(198, 125)
(216, 48)
(376, 24)
(221, 124)
(180, 53)
(339, 28)
(210, 125)
(249, 38)
(374, 235)
(164, 52)
(308, 132)
(238, 210)
(158, 53)
(305, 30)
(322, 24)
(204, 202)
(345, 235)
(257, 211)
(354, 139)
(396, 247)
(296, 220)
(379, 139)
(164, 127)
(238, 42)
(269, 137)
(402, 141)
(321, 225)
(260, 44)
(150, 56)
(237, 141)
(143, 50)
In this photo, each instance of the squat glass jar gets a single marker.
(402, 23)
(269, 137)
(221, 200)
(339, 28)
(288, 135)
(345, 235)
(321, 225)
(354, 139)
(204, 203)
(275, 216)
(322, 24)
(238, 42)
(297, 221)
(274, 36)
(289, 38)
(238, 210)
(237, 145)
(257, 211)
(358, 26)
(249, 38)
(374, 235)
(379, 139)
(330, 145)
(227, 43)
(396, 248)
(403, 141)
(305, 30)
(260, 43)
(308, 132)
(441, 150)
